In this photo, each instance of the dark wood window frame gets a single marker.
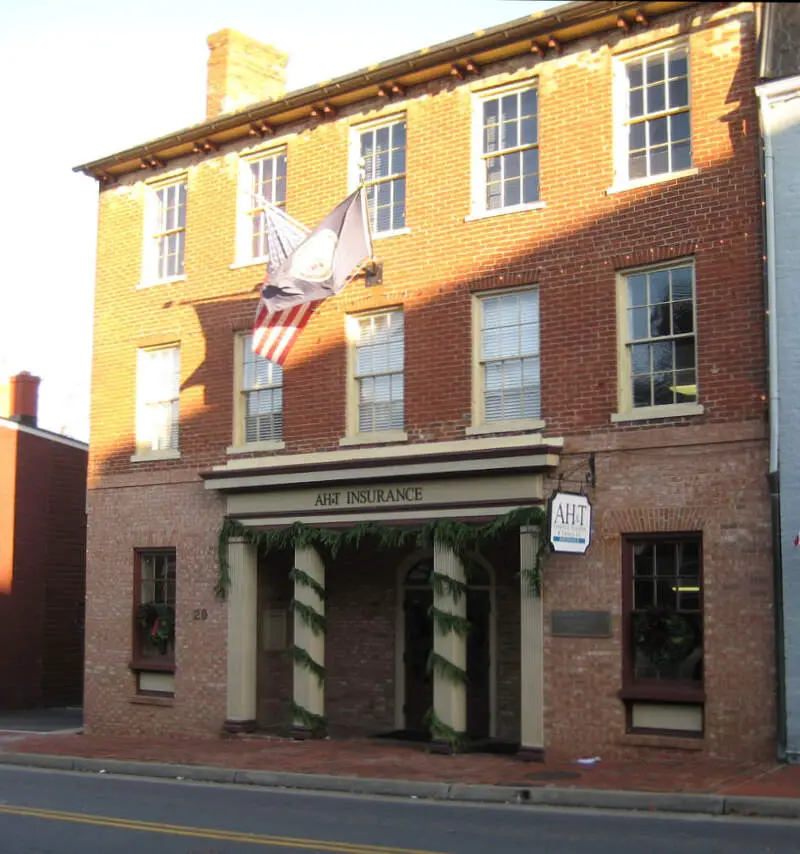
(649, 689)
(140, 661)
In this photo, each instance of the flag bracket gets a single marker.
(373, 273)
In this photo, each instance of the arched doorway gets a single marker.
(415, 642)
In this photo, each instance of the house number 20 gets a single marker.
(200, 614)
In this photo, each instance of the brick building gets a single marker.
(567, 229)
(42, 555)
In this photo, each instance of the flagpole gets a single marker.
(266, 203)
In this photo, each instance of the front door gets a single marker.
(419, 643)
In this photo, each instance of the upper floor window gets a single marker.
(265, 177)
(382, 151)
(377, 342)
(158, 392)
(261, 396)
(167, 231)
(507, 384)
(659, 361)
(506, 172)
(656, 114)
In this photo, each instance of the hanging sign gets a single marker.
(570, 522)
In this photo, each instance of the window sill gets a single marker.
(153, 456)
(523, 425)
(396, 233)
(647, 182)
(152, 700)
(152, 665)
(674, 742)
(256, 447)
(380, 437)
(248, 262)
(156, 282)
(476, 215)
(647, 413)
(677, 693)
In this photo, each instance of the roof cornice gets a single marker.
(540, 33)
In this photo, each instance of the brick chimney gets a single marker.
(23, 394)
(242, 71)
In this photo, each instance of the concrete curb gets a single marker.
(665, 802)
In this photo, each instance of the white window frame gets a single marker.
(479, 210)
(145, 449)
(245, 210)
(480, 425)
(622, 181)
(625, 408)
(153, 231)
(242, 342)
(354, 166)
(354, 436)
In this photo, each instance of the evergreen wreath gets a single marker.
(158, 620)
(663, 635)
(460, 537)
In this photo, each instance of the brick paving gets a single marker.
(379, 759)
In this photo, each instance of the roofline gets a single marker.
(546, 23)
(49, 435)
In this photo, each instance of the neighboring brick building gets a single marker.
(567, 219)
(42, 555)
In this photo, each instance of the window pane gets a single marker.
(638, 324)
(658, 131)
(679, 126)
(678, 63)
(636, 103)
(637, 165)
(659, 161)
(635, 74)
(679, 93)
(655, 68)
(682, 318)
(681, 156)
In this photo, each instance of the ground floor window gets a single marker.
(663, 631)
(154, 620)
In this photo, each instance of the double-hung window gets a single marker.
(507, 375)
(506, 168)
(158, 393)
(264, 177)
(659, 358)
(166, 232)
(656, 112)
(382, 156)
(261, 402)
(377, 347)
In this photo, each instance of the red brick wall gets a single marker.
(571, 249)
(41, 617)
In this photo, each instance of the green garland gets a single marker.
(446, 622)
(312, 618)
(459, 537)
(444, 732)
(315, 723)
(446, 668)
(299, 576)
(304, 659)
(445, 585)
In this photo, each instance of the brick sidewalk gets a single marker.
(378, 759)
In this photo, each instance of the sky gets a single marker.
(87, 78)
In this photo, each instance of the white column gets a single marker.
(309, 692)
(532, 652)
(242, 635)
(449, 696)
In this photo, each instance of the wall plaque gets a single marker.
(580, 624)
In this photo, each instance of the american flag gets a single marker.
(306, 268)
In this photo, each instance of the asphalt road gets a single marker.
(46, 812)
